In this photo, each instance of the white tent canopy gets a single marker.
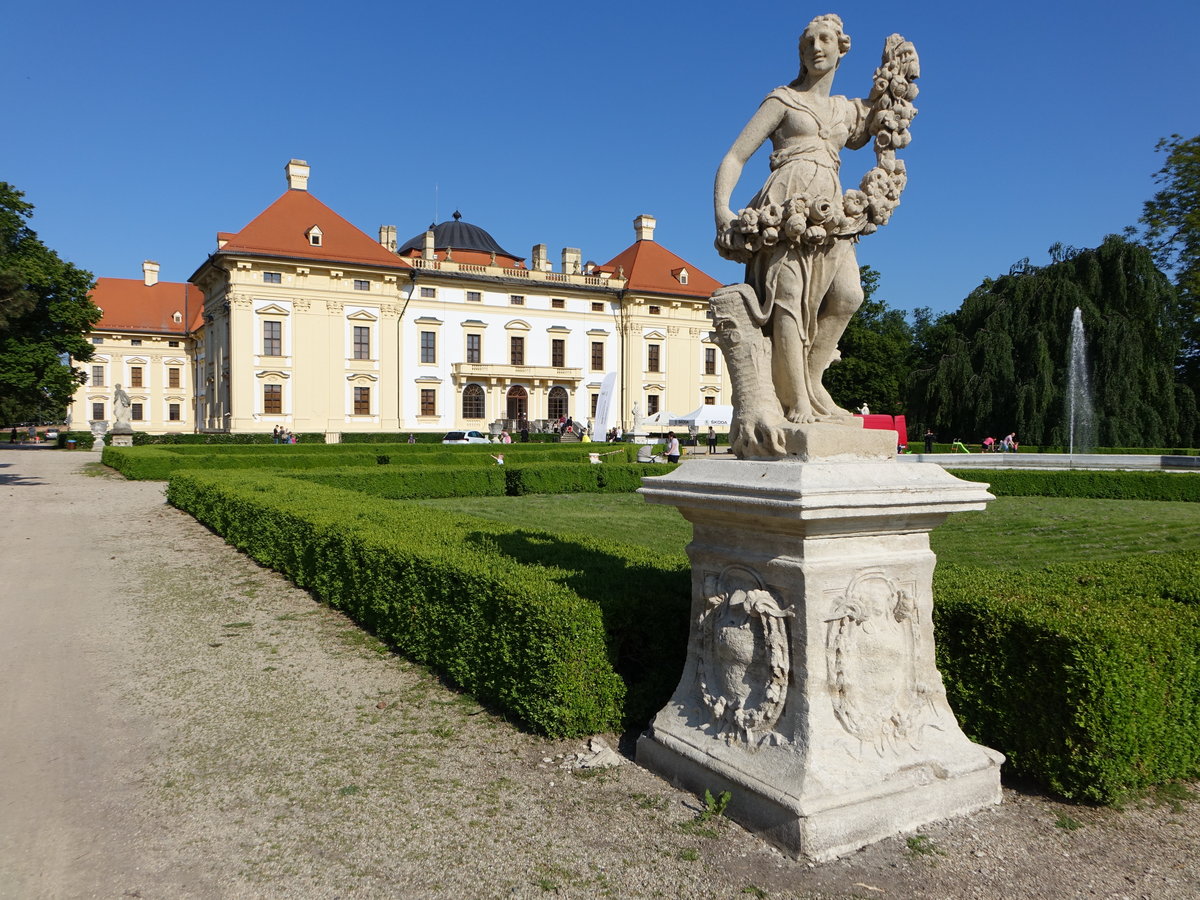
(705, 416)
(659, 420)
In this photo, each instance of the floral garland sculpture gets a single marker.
(797, 236)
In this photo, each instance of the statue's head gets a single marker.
(823, 43)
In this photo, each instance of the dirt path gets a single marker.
(177, 722)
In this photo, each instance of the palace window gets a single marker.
(428, 402)
(173, 377)
(597, 356)
(516, 300)
(362, 401)
(428, 346)
(558, 303)
(97, 340)
(710, 360)
(361, 284)
(475, 296)
(273, 399)
(652, 357)
(474, 348)
(272, 278)
(595, 403)
(135, 412)
(173, 412)
(597, 307)
(97, 410)
(472, 402)
(651, 404)
(516, 351)
(135, 377)
(558, 352)
(172, 343)
(135, 342)
(710, 400)
(557, 403)
(272, 338)
(362, 342)
(428, 293)
(655, 310)
(97, 376)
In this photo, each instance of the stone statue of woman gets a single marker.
(122, 407)
(797, 236)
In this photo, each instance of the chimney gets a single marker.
(387, 237)
(297, 175)
(150, 272)
(428, 252)
(572, 259)
(643, 227)
(540, 261)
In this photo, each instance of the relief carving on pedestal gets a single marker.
(744, 660)
(872, 638)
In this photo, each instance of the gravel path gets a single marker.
(178, 722)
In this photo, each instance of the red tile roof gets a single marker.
(649, 266)
(129, 304)
(282, 230)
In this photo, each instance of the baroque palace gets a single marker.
(302, 321)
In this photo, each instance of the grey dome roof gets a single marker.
(458, 235)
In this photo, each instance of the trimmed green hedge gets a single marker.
(158, 463)
(1175, 486)
(567, 634)
(1086, 676)
(412, 482)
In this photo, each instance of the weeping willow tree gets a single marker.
(999, 363)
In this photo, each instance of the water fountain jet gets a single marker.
(1081, 415)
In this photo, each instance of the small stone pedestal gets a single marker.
(810, 690)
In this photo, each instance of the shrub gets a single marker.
(1086, 676)
(1099, 485)
(549, 628)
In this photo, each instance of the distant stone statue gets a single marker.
(779, 330)
(122, 407)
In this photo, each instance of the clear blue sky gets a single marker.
(141, 129)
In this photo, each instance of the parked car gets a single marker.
(465, 437)
(51, 435)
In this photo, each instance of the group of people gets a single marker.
(282, 436)
(1007, 444)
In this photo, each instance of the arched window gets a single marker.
(472, 402)
(557, 402)
(518, 402)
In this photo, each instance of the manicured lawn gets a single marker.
(1016, 532)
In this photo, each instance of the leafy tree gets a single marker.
(1171, 229)
(45, 314)
(999, 363)
(876, 350)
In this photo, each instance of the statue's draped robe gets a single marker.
(791, 282)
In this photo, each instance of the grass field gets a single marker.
(1014, 532)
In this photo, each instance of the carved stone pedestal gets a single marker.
(810, 690)
(121, 439)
